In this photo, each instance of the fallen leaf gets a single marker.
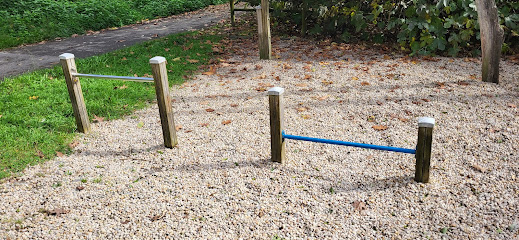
(364, 83)
(121, 87)
(39, 153)
(155, 218)
(124, 59)
(463, 83)
(301, 85)
(261, 89)
(166, 49)
(511, 105)
(359, 206)
(371, 118)
(301, 109)
(57, 211)
(98, 119)
(0, 116)
(327, 82)
(140, 125)
(209, 110)
(73, 144)
(204, 124)
(379, 103)
(79, 188)
(212, 71)
(60, 154)
(306, 116)
(323, 98)
(307, 77)
(479, 168)
(234, 105)
(277, 78)
(380, 127)
(226, 122)
(403, 119)
(286, 66)
(125, 221)
(175, 59)
(33, 97)
(258, 67)
(178, 127)
(355, 78)
(193, 60)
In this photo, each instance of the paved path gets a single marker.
(23, 59)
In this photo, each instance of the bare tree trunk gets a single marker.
(492, 36)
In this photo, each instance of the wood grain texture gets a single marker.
(492, 37)
(277, 144)
(265, 46)
(423, 154)
(160, 75)
(76, 95)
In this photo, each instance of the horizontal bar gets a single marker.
(244, 9)
(134, 79)
(351, 144)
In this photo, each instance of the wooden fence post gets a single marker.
(304, 12)
(277, 143)
(492, 36)
(423, 149)
(74, 91)
(265, 47)
(233, 18)
(160, 75)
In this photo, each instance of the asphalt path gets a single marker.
(20, 60)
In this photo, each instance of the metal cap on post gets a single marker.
(74, 91)
(423, 149)
(277, 143)
(160, 75)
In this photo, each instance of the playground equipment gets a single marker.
(278, 136)
(160, 77)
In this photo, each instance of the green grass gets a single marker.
(36, 118)
(30, 21)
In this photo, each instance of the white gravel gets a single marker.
(219, 183)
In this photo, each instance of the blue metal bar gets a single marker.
(351, 144)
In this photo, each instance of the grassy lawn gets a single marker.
(36, 118)
(30, 21)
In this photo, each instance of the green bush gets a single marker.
(420, 26)
(29, 21)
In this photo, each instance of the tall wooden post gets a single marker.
(304, 12)
(233, 18)
(277, 143)
(74, 91)
(160, 75)
(492, 37)
(265, 47)
(423, 149)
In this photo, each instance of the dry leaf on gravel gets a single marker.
(510, 105)
(60, 154)
(301, 109)
(212, 71)
(226, 122)
(479, 168)
(209, 110)
(364, 83)
(79, 188)
(359, 206)
(56, 211)
(380, 127)
(234, 105)
(204, 124)
(178, 127)
(98, 119)
(306, 116)
(73, 144)
(258, 67)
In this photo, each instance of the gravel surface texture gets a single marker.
(219, 182)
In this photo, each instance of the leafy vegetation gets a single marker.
(419, 26)
(29, 21)
(36, 118)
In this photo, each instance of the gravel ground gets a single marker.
(219, 182)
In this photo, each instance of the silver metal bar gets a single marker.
(123, 78)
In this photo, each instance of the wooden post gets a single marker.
(423, 149)
(303, 18)
(492, 37)
(233, 18)
(265, 47)
(277, 143)
(74, 91)
(160, 75)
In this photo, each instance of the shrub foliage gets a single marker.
(420, 26)
(29, 21)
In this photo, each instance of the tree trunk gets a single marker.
(492, 36)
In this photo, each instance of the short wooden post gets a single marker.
(423, 149)
(74, 91)
(233, 18)
(277, 143)
(265, 47)
(160, 75)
